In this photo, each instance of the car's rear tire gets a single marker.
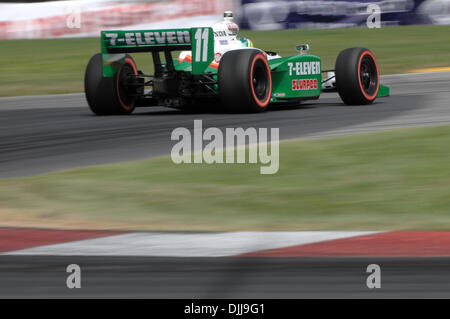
(109, 96)
(357, 76)
(245, 81)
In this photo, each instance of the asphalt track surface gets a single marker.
(48, 133)
(250, 278)
(41, 134)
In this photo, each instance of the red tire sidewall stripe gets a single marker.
(263, 104)
(373, 96)
(135, 71)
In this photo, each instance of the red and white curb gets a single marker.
(227, 244)
(161, 244)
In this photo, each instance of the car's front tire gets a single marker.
(357, 76)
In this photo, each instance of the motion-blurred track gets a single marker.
(154, 277)
(40, 134)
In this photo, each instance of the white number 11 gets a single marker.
(202, 40)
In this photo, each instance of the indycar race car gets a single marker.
(216, 68)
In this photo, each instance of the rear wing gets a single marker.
(115, 45)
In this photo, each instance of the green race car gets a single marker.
(217, 69)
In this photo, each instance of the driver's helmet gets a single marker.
(227, 27)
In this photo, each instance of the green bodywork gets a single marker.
(115, 45)
(294, 77)
(384, 91)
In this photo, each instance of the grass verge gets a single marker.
(31, 67)
(396, 180)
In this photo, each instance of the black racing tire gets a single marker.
(245, 81)
(108, 96)
(357, 76)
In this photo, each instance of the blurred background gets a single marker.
(49, 19)
(65, 33)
